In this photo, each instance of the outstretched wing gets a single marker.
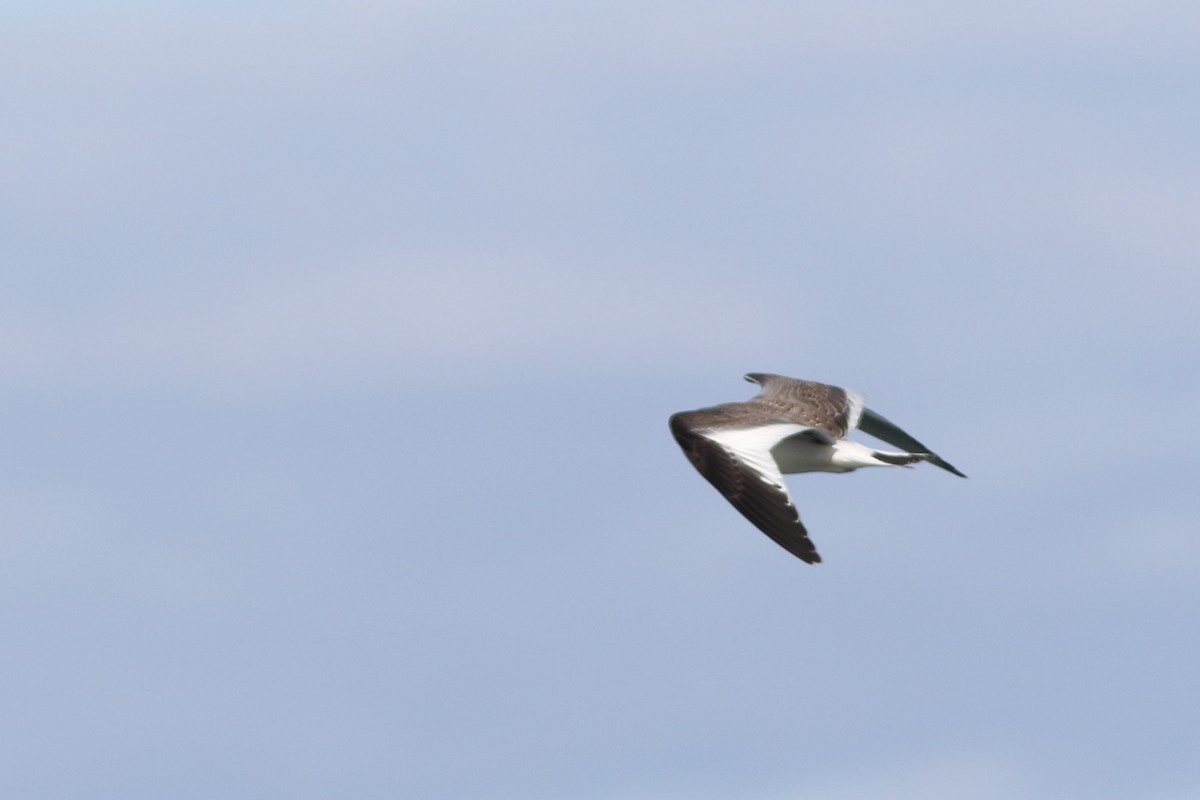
(884, 429)
(830, 408)
(740, 465)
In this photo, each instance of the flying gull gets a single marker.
(744, 449)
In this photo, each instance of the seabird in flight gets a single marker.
(744, 449)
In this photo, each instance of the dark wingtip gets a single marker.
(946, 465)
(812, 557)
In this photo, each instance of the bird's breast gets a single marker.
(803, 454)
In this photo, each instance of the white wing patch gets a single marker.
(752, 446)
(855, 402)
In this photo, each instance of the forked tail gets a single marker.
(902, 459)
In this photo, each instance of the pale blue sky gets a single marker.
(339, 342)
